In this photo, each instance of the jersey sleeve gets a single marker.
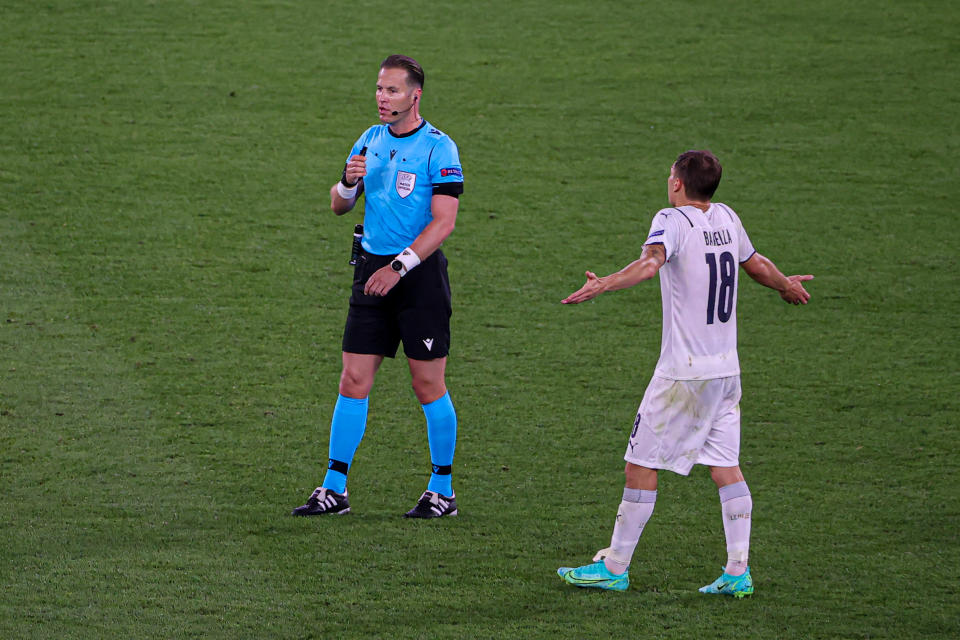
(446, 173)
(746, 247)
(743, 240)
(664, 230)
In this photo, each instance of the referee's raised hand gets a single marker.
(356, 169)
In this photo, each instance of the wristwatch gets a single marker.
(397, 266)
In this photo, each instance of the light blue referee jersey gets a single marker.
(402, 173)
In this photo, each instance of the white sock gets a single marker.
(736, 506)
(635, 510)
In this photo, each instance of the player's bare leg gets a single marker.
(638, 477)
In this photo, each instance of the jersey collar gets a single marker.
(423, 123)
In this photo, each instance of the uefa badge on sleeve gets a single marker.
(405, 183)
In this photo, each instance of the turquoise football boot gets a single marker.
(736, 586)
(595, 576)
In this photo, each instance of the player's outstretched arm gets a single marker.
(762, 269)
(643, 268)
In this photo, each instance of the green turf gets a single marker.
(173, 290)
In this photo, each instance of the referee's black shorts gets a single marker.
(416, 311)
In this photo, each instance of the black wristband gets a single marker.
(343, 179)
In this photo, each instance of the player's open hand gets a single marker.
(381, 282)
(356, 169)
(588, 291)
(795, 293)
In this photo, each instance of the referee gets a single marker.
(411, 176)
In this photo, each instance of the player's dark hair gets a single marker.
(700, 172)
(412, 67)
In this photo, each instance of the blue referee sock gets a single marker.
(442, 436)
(346, 431)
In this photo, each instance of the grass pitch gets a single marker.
(173, 290)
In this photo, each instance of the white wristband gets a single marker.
(346, 192)
(409, 260)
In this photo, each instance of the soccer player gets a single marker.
(690, 413)
(411, 176)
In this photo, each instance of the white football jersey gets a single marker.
(698, 286)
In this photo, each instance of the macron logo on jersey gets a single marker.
(452, 171)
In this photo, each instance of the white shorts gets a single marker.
(685, 422)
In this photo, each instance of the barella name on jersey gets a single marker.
(717, 238)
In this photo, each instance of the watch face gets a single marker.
(397, 266)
